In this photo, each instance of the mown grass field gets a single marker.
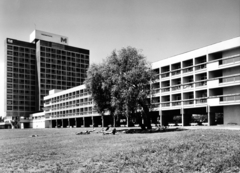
(60, 150)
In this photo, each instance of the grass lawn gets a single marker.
(60, 150)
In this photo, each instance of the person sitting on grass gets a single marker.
(110, 132)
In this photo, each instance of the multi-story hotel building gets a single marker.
(33, 68)
(203, 82)
(72, 107)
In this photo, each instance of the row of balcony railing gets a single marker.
(223, 61)
(229, 79)
(179, 87)
(230, 98)
(59, 107)
(224, 98)
(223, 79)
(180, 102)
(56, 115)
(54, 100)
(185, 70)
(228, 60)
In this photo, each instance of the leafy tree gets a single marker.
(123, 79)
(96, 84)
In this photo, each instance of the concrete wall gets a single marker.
(40, 124)
(231, 114)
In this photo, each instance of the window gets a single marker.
(9, 85)
(9, 58)
(9, 74)
(9, 91)
(9, 63)
(9, 107)
(9, 52)
(9, 69)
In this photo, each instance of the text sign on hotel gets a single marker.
(41, 35)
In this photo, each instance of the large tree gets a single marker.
(125, 79)
(97, 86)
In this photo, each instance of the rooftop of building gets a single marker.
(226, 44)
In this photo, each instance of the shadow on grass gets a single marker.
(158, 130)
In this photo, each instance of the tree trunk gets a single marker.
(127, 121)
(102, 121)
(147, 122)
(114, 121)
(141, 124)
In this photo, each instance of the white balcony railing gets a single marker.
(187, 70)
(201, 100)
(230, 98)
(229, 79)
(234, 59)
(202, 83)
(176, 88)
(188, 102)
(176, 103)
(200, 67)
(187, 86)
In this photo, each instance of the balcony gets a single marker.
(164, 75)
(165, 104)
(188, 86)
(201, 100)
(224, 99)
(188, 102)
(230, 98)
(155, 104)
(165, 90)
(155, 90)
(174, 73)
(200, 84)
(200, 67)
(175, 88)
(187, 70)
(176, 103)
(230, 60)
(230, 79)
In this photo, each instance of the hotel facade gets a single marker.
(203, 82)
(33, 68)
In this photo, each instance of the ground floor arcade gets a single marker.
(207, 115)
(215, 115)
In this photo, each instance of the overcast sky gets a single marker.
(160, 28)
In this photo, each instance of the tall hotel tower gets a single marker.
(33, 68)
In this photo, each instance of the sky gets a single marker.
(159, 28)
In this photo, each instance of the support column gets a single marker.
(161, 118)
(62, 124)
(75, 122)
(68, 123)
(93, 122)
(50, 123)
(183, 118)
(56, 124)
(84, 122)
(211, 116)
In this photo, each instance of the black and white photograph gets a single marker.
(120, 86)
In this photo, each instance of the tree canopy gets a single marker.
(121, 84)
